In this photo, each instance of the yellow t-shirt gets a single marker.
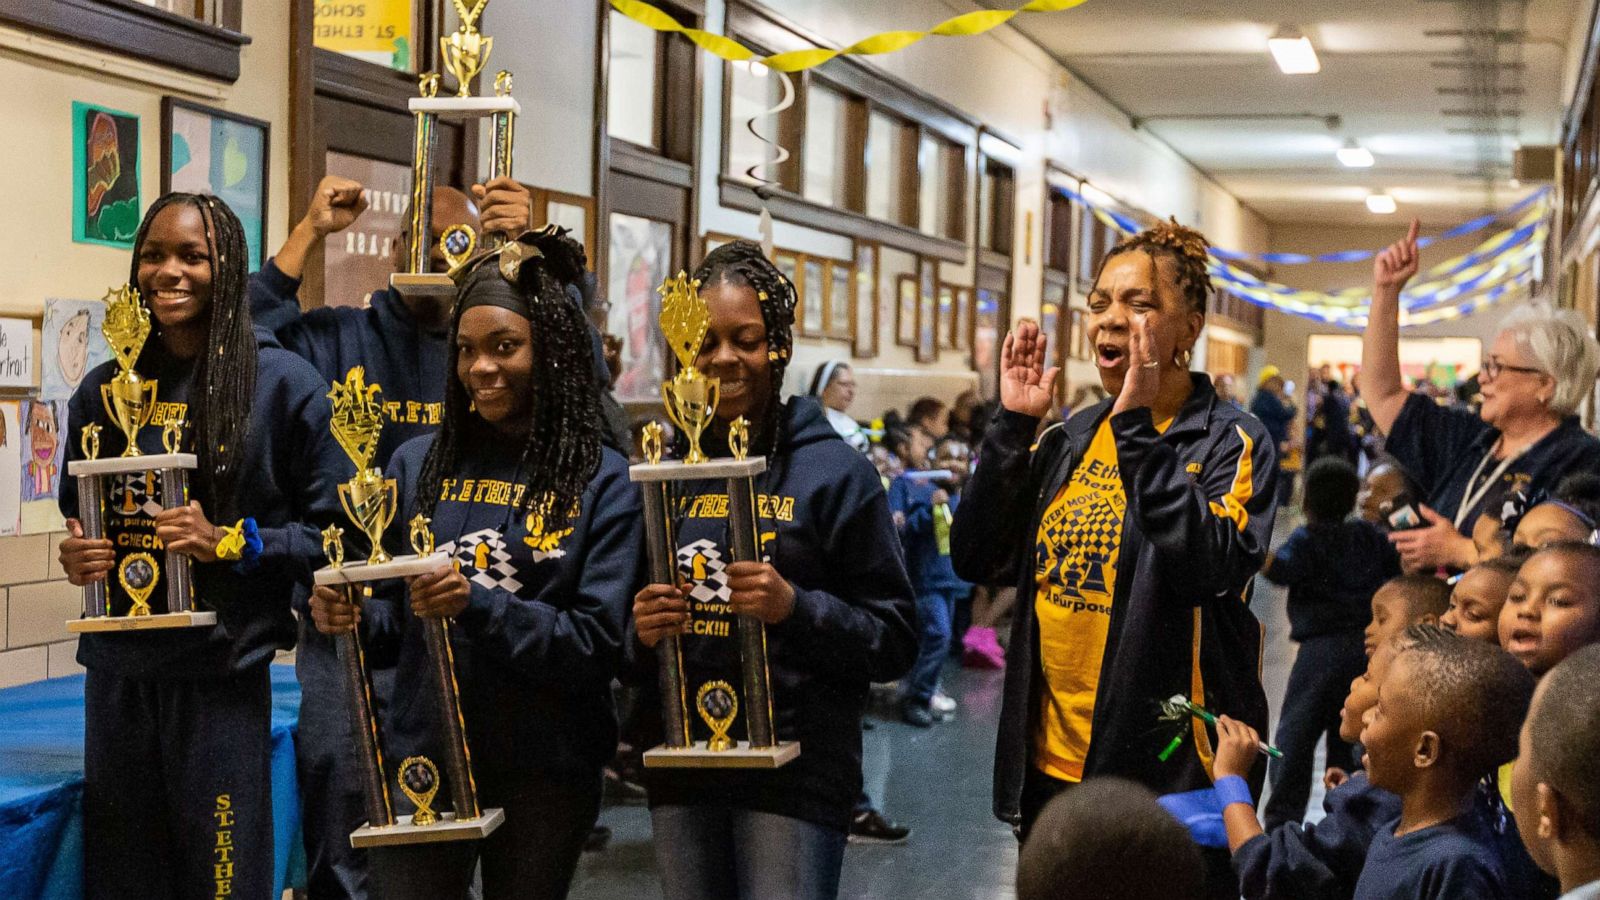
(1078, 544)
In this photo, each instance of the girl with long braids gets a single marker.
(1132, 532)
(177, 790)
(831, 589)
(546, 533)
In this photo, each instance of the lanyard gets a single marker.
(1471, 498)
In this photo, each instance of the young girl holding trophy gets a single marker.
(545, 531)
(177, 790)
(830, 589)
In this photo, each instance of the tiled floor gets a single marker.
(936, 780)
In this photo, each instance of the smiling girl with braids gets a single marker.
(546, 533)
(1132, 532)
(831, 589)
(176, 748)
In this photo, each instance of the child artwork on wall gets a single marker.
(42, 456)
(105, 176)
(11, 439)
(71, 345)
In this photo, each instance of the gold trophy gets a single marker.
(369, 499)
(465, 54)
(691, 403)
(130, 403)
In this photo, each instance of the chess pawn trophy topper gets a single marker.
(130, 402)
(465, 55)
(691, 398)
(369, 499)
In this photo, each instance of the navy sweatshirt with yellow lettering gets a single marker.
(824, 524)
(542, 635)
(289, 473)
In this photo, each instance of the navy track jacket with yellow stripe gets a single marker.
(1201, 502)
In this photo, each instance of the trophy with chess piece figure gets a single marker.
(369, 500)
(691, 403)
(465, 54)
(130, 402)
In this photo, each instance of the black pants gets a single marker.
(531, 856)
(331, 805)
(1318, 684)
(1039, 789)
(177, 796)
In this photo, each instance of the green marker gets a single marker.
(1178, 704)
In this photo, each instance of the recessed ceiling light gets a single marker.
(1293, 52)
(1354, 155)
(1382, 204)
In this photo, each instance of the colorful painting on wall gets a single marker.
(11, 438)
(71, 344)
(105, 176)
(208, 151)
(42, 455)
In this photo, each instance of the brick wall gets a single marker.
(35, 603)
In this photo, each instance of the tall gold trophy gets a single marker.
(369, 500)
(691, 402)
(140, 482)
(465, 54)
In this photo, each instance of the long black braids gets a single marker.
(225, 373)
(742, 263)
(562, 450)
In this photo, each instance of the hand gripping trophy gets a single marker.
(691, 402)
(369, 500)
(130, 402)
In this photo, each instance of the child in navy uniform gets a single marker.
(546, 531)
(177, 790)
(1332, 566)
(926, 506)
(1478, 596)
(1557, 795)
(1447, 715)
(832, 591)
(1402, 602)
(1553, 607)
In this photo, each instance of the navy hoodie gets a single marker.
(1321, 860)
(289, 474)
(929, 569)
(542, 635)
(824, 524)
(407, 361)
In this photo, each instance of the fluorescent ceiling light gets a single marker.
(1355, 156)
(1293, 52)
(1382, 204)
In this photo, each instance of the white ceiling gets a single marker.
(1416, 100)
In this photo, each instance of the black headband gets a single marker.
(485, 287)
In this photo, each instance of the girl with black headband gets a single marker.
(177, 790)
(831, 589)
(545, 531)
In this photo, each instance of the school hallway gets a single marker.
(937, 781)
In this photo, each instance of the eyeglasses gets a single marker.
(1493, 367)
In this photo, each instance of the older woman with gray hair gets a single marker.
(1525, 437)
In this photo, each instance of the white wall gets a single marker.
(550, 53)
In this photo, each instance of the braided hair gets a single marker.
(225, 373)
(742, 264)
(1185, 246)
(562, 449)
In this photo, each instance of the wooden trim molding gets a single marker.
(741, 195)
(137, 30)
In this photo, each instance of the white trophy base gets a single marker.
(142, 623)
(422, 284)
(399, 567)
(448, 828)
(678, 470)
(129, 465)
(464, 107)
(742, 756)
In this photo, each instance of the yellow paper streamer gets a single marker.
(964, 25)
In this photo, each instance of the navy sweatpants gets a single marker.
(177, 796)
(1318, 683)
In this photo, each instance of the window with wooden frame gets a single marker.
(891, 169)
(1059, 212)
(651, 85)
(868, 297)
(997, 190)
(573, 212)
(199, 36)
(750, 90)
(941, 187)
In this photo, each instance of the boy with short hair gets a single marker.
(1447, 715)
(1553, 607)
(1402, 602)
(1110, 834)
(1554, 783)
(1332, 566)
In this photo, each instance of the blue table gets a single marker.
(41, 788)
